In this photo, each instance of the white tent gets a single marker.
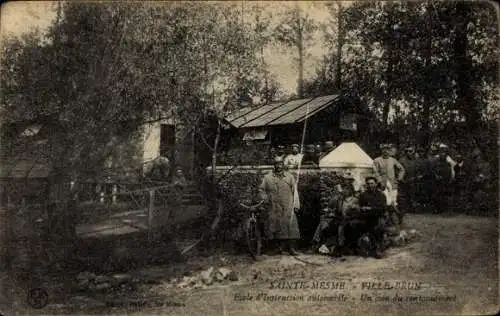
(349, 158)
(346, 155)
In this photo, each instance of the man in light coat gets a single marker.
(279, 191)
(389, 172)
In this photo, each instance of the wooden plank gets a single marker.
(150, 211)
(135, 224)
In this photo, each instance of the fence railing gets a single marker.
(110, 192)
(151, 199)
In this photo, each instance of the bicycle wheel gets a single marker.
(253, 237)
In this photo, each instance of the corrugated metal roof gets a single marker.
(238, 112)
(257, 112)
(276, 113)
(280, 113)
(309, 109)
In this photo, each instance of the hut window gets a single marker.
(348, 122)
(256, 134)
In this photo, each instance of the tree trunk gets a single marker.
(387, 101)
(340, 43)
(266, 82)
(426, 111)
(301, 69)
(388, 77)
(214, 152)
(463, 66)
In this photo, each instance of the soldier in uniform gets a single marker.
(327, 148)
(280, 152)
(326, 231)
(279, 192)
(389, 172)
(373, 202)
(409, 163)
(293, 160)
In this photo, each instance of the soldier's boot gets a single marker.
(281, 247)
(364, 245)
(291, 248)
(378, 252)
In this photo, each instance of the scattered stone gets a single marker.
(187, 281)
(413, 234)
(221, 274)
(399, 240)
(232, 276)
(324, 249)
(207, 276)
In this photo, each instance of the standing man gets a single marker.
(310, 157)
(389, 172)
(327, 148)
(279, 191)
(445, 151)
(409, 163)
(442, 176)
(272, 154)
(293, 160)
(479, 179)
(280, 152)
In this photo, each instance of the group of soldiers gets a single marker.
(310, 156)
(360, 221)
(443, 178)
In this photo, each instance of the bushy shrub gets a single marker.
(243, 187)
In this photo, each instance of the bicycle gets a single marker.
(253, 234)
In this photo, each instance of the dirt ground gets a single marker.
(451, 269)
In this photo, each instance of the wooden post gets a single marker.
(150, 212)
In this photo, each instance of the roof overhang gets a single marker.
(281, 113)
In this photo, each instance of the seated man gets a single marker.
(373, 206)
(346, 228)
(326, 231)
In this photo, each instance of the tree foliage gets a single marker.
(423, 63)
(105, 68)
(296, 30)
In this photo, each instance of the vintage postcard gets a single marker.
(249, 158)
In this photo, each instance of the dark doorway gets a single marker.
(167, 141)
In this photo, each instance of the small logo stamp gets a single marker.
(38, 298)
